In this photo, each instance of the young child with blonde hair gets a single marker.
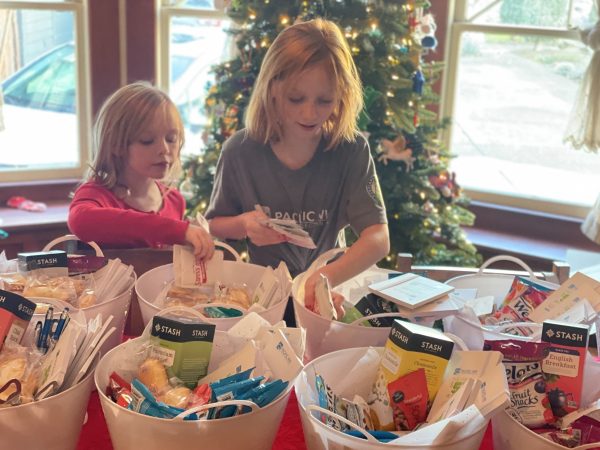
(302, 156)
(125, 201)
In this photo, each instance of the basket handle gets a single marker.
(71, 237)
(324, 258)
(517, 261)
(377, 316)
(196, 409)
(230, 249)
(312, 408)
(458, 341)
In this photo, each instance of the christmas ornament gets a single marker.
(186, 187)
(396, 151)
(418, 82)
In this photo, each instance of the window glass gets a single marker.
(513, 98)
(539, 13)
(195, 45)
(38, 79)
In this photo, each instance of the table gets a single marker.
(94, 434)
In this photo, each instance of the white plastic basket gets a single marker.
(494, 284)
(324, 335)
(117, 306)
(509, 434)
(130, 430)
(319, 436)
(50, 424)
(151, 283)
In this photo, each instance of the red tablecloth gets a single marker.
(94, 435)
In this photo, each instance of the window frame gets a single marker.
(166, 12)
(457, 24)
(79, 8)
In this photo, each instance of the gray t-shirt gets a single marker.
(336, 188)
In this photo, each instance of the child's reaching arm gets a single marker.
(372, 245)
(96, 215)
(246, 225)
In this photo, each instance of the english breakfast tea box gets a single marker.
(409, 347)
(564, 364)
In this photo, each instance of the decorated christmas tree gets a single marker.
(389, 39)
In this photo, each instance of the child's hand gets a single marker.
(202, 241)
(258, 233)
(310, 300)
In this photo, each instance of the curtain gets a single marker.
(583, 130)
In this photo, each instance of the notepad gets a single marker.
(410, 290)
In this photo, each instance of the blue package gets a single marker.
(144, 402)
(229, 392)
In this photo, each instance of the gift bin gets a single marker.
(509, 434)
(255, 430)
(151, 284)
(55, 422)
(459, 435)
(117, 306)
(50, 424)
(495, 284)
(324, 335)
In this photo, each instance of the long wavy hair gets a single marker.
(297, 48)
(121, 120)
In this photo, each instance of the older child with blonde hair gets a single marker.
(302, 157)
(138, 136)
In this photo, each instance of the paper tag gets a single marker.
(266, 289)
(192, 271)
(281, 357)
(571, 292)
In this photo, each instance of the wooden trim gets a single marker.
(141, 40)
(104, 50)
(43, 191)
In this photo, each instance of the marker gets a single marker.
(37, 334)
(61, 323)
(46, 329)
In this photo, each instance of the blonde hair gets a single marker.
(121, 120)
(297, 48)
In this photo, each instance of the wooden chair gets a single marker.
(558, 274)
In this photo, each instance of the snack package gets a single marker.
(119, 390)
(522, 298)
(522, 360)
(19, 375)
(409, 397)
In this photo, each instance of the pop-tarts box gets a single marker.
(52, 263)
(15, 313)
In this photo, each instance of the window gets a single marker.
(513, 70)
(43, 109)
(192, 39)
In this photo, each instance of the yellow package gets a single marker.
(409, 347)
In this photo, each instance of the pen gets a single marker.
(46, 329)
(61, 323)
(37, 334)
